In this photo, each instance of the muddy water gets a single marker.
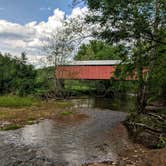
(58, 144)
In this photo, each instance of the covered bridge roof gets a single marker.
(94, 63)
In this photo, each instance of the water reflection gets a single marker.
(121, 103)
(83, 103)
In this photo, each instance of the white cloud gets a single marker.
(15, 38)
(79, 12)
(15, 43)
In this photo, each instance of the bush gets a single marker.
(162, 142)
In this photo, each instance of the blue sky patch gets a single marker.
(24, 11)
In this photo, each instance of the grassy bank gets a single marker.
(17, 102)
(15, 112)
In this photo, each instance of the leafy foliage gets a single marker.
(140, 26)
(99, 50)
(162, 142)
(158, 81)
(16, 76)
(44, 80)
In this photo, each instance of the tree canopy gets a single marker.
(99, 50)
(16, 77)
(139, 25)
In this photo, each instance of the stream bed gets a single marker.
(51, 143)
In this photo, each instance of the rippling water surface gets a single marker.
(54, 143)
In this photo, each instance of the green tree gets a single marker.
(158, 81)
(98, 50)
(16, 76)
(138, 24)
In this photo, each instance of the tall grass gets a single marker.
(16, 101)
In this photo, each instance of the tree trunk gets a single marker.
(143, 87)
(142, 91)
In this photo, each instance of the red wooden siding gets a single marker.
(85, 72)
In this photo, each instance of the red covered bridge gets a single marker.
(87, 70)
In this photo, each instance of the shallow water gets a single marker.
(53, 143)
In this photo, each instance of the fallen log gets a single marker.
(159, 117)
(145, 127)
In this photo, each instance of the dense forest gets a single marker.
(17, 77)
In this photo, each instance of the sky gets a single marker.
(25, 25)
(24, 11)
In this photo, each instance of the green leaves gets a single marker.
(98, 50)
(15, 76)
(140, 24)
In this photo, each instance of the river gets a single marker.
(51, 143)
